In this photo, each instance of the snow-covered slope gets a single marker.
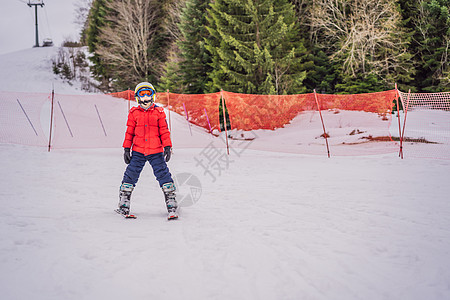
(30, 70)
(269, 226)
(253, 225)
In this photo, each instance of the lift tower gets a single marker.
(36, 3)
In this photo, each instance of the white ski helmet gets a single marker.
(142, 89)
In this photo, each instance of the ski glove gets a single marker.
(127, 155)
(167, 152)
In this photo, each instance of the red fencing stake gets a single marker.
(168, 108)
(406, 114)
(323, 125)
(224, 120)
(399, 126)
(51, 122)
(129, 99)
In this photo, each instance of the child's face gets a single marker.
(146, 101)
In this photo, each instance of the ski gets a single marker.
(129, 216)
(126, 216)
(172, 216)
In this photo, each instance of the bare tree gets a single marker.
(444, 75)
(365, 35)
(172, 9)
(135, 42)
(126, 40)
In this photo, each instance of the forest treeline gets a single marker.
(270, 46)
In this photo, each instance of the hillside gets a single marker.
(263, 225)
(30, 70)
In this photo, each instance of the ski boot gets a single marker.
(124, 199)
(171, 202)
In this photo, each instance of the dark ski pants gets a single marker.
(138, 160)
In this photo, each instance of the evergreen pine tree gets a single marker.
(195, 59)
(430, 20)
(97, 20)
(171, 78)
(255, 47)
(187, 68)
(321, 71)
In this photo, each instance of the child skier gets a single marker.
(148, 135)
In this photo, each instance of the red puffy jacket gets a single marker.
(147, 130)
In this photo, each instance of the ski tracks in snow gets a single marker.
(273, 226)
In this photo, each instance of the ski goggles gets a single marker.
(145, 92)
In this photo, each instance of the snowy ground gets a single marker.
(271, 226)
(253, 225)
(30, 70)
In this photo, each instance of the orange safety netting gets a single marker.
(380, 103)
(194, 105)
(350, 124)
(250, 112)
(20, 118)
(425, 125)
(306, 123)
(88, 121)
(128, 95)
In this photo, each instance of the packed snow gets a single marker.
(30, 70)
(253, 224)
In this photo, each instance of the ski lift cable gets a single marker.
(42, 31)
(48, 24)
